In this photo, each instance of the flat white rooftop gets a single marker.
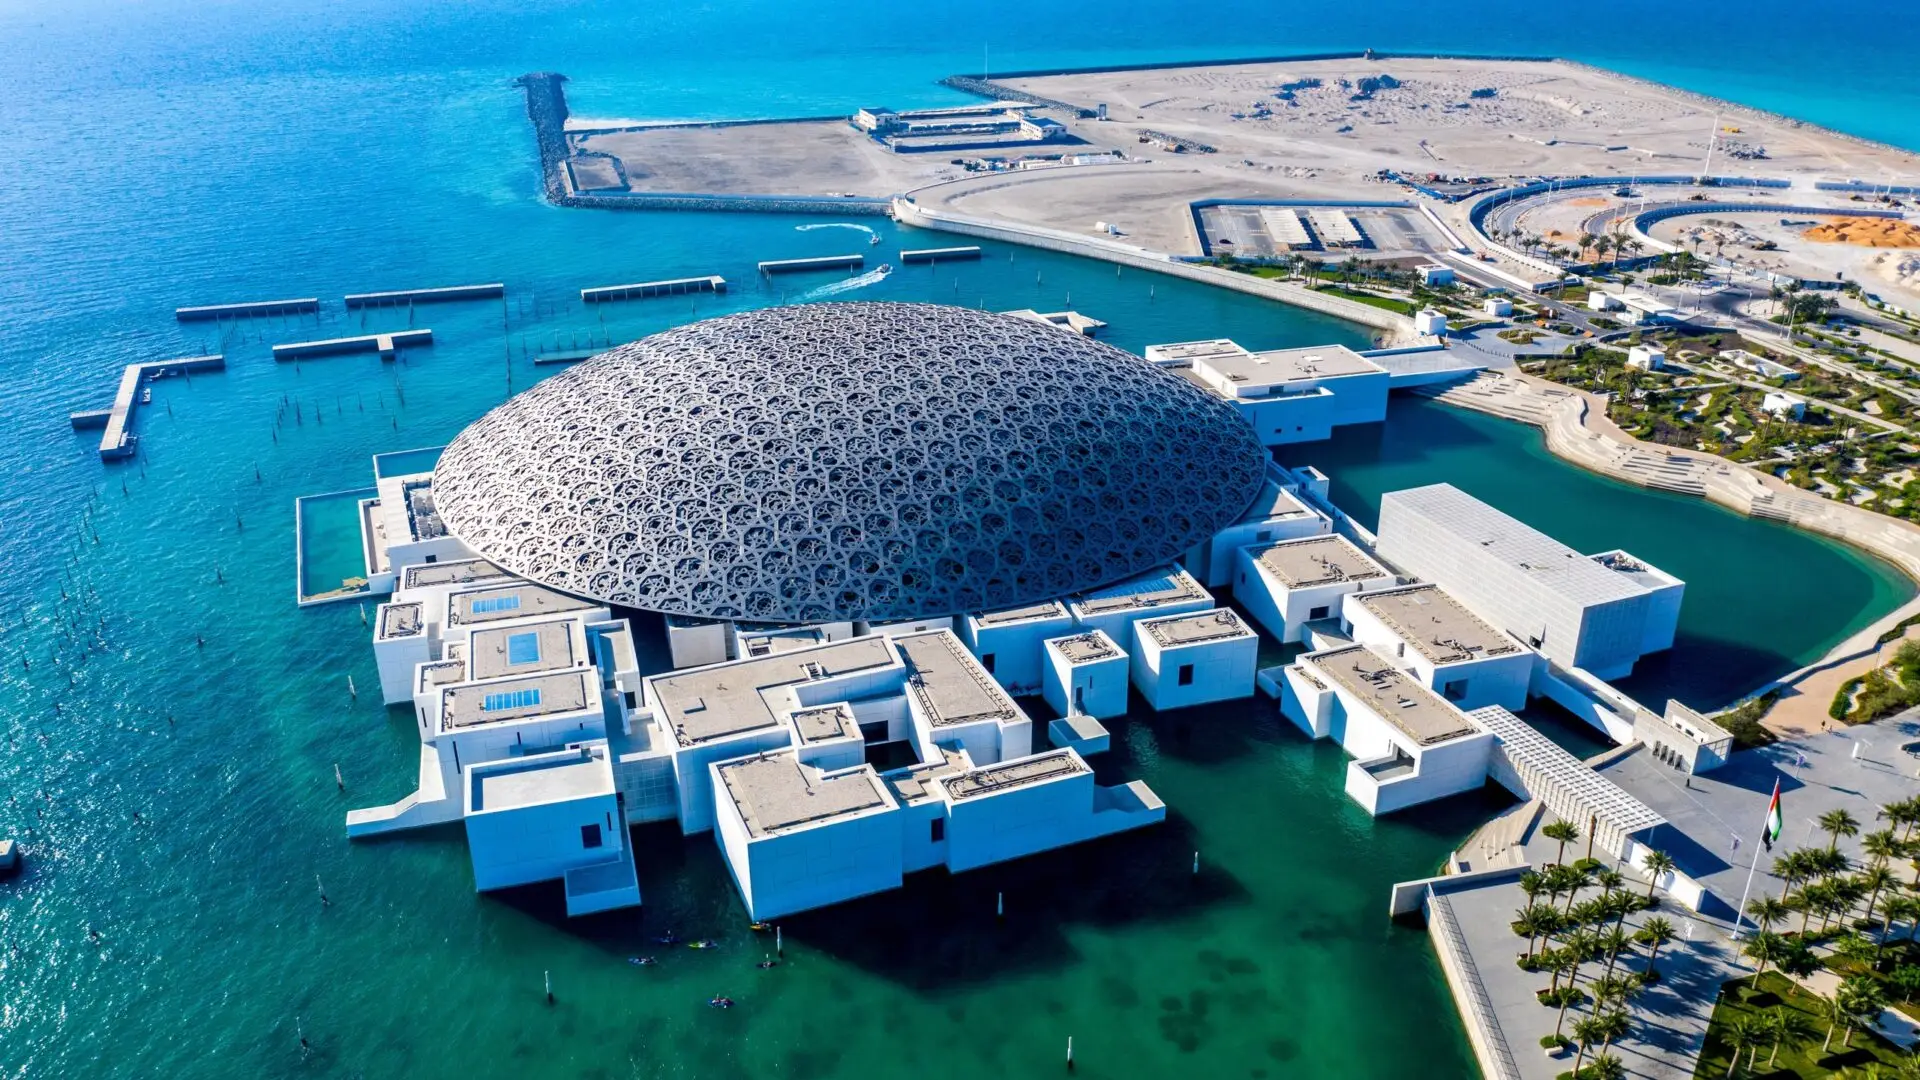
(401, 620)
(520, 649)
(776, 793)
(1274, 367)
(517, 698)
(1526, 550)
(542, 778)
(1085, 648)
(1174, 631)
(1052, 609)
(1391, 693)
(1439, 627)
(995, 779)
(457, 572)
(1276, 503)
(1317, 560)
(517, 600)
(1144, 593)
(825, 723)
(949, 683)
(728, 699)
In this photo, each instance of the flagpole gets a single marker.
(1740, 913)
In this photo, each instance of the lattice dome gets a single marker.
(825, 462)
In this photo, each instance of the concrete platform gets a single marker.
(208, 312)
(823, 262)
(492, 290)
(642, 290)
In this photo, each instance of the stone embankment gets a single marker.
(987, 88)
(547, 108)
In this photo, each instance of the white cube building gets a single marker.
(1600, 613)
(1288, 395)
(1286, 585)
(1409, 745)
(1429, 321)
(1010, 644)
(1647, 357)
(1087, 674)
(1435, 274)
(1497, 306)
(552, 816)
(1452, 651)
(797, 837)
(1185, 660)
(1784, 405)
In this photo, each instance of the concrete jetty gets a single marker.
(387, 345)
(932, 255)
(1084, 325)
(492, 290)
(116, 441)
(821, 262)
(640, 290)
(208, 312)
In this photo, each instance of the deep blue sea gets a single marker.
(172, 720)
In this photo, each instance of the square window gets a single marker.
(589, 836)
(938, 830)
(1317, 613)
(523, 648)
(1186, 674)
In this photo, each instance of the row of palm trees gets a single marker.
(1826, 882)
(1621, 245)
(1568, 928)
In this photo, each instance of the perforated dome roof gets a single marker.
(874, 461)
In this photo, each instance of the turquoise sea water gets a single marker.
(161, 154)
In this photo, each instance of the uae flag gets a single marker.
(1772, 830)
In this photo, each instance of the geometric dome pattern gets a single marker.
(844, 461)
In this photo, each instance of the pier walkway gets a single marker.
(209, 312)
(492, 290)
(387, 345)
(820, 262)
(933, 255)
(116, 440)
(641, 290)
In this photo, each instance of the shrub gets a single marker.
(1843, 699)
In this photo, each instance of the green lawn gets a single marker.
(1386, 302)
(1801, 1060)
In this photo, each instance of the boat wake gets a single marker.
(871, 277)
(840, 225)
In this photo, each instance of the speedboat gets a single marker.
(703, 943)
(873, 240)
(718, 1002)
(641, 961)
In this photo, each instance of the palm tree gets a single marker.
(1763, 948)
(1742, 1033)
(1601, 245)
(1605, 1067)
(1537, 921)
(1655, 933)
(1571, 881)
(1904, 908)
(1765, 911)
(1564, 831)
(1881, 846)
(1613, 941)
(1876, 879)
(1806, 902)
(1854, 947)
(1791, 869)
(1615, 1025)
(1533, 884)
(1655, 863)
(1858, 1001)
(1565, 997)
(1836, 824)
(1586, 1031)
(1786, 1025)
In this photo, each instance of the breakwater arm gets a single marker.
(547, 108)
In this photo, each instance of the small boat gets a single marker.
(873, 240)
(703, 943)
(717, 1002)
(667, 938)
(760, 927)
(641, 961)
(146, 395)
(765, 964)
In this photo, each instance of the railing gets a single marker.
(1479, 1006)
